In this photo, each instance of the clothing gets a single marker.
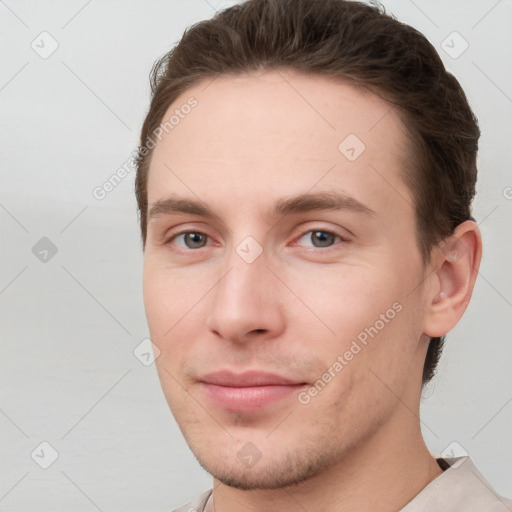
(460, 488)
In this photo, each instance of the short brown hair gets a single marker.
(352, 41)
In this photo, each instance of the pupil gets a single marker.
(322, 239)
(194, 240)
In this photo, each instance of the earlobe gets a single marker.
(456, 262)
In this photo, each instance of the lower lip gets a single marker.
(247, 399)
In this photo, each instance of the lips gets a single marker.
(249, 391)
(247, 379)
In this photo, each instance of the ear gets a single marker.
(455, 261)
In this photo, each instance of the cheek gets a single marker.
(168, 295)
(157, 303)
(345, 299)
(366, 322)
(166, 303)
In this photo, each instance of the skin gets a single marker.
(252, 140)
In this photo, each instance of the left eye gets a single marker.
(319, 238)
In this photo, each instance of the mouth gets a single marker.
(249, 391)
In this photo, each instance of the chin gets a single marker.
(286, 471)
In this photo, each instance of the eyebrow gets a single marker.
(175, 205)
(284, 206)
(319, 201)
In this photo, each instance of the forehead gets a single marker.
(274, 130)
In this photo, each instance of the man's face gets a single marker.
(284, 285)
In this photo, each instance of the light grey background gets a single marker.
(69, 325)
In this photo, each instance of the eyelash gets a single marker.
(325, 231)
(186, 232)
(173, 237)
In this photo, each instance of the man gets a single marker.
(304, 183)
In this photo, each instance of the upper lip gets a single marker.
(247, 379)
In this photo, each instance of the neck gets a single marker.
(383, 475)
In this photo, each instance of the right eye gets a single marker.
(190, 240)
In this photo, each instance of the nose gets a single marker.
(246, 303)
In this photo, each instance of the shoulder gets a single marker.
(461, 488)
(196, 505)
